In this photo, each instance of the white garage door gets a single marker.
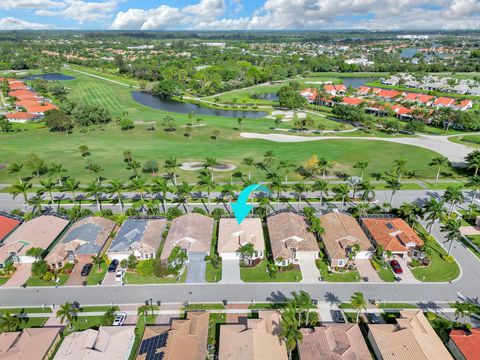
(306, 255)
(364, 255)
(229, 256)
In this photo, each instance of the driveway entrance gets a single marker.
(20, 276)
(231, 271)
(366, 270)
(196, 268)
(310, 273)
(75, 277)
(407, 276)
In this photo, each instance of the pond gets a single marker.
(179, 107)
(50, 77)
(408, 53)
(356, 82)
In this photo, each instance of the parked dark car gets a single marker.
(372, 318)
(113, 266)
(86, 269)
(397, 269)
(338, 316)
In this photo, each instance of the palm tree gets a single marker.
(36, 202)
(21, 188)
(140, 184)
(134, 165)
(453, 195)
(474, 182)
(57, 170)
(290, 332)
(228, 192)
(241, 123)
(72, 185)
(97, 169)
(9, 322)
(410, 211)
(322, 187)
(97, 260)
(184, 194)
(439, 163)
(95, 189)
(115, 187)
(68, 313)
(342, 192)
(473, 162)
(206, 182)
(160, 186)
(269, 158)
(452, 228)
(400, 168)
(238, 175)
(285, 165)
(394, 185)
(323, 166)
(362, 165)
(278, 186)
(249, 162)
(171, 165)
(358, 302)
(367, 189)
(435, 212)
(246, 252)
(300, 188)
(210, 162)
(143, 311)
(48, 186)
(16, 168)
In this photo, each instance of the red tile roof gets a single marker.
(41, 108)
(309, 93)
(412, 96)
(423, 98)
(467, 342)
(17, 86)
(401, 110)
(363, 90)
(465, 103)
(21, 116)
(7, 225)
(444, 101)
(392, 233)
(352, 101)
(23, 94)
(334, 88)
(388, 94)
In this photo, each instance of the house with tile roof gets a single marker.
(40, 232)
(310, 94)
(443, 102)
(333, 342)
(393, 234)
(232, 236)
(22, 117)
(8, 223)
(138, 237)
(342, 234)
(412, 337)
(290, 238)
(335, 90)
(253, 339)
(30, 343)
(183, 340)
(347, 100)
(465, 344)
(86, 238)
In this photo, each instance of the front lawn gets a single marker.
(34, 281)
(385, 273)
(213, 274)
(204, 307)
(30, 322)
(259, 273)
(347, 276)
(134, 278)
(4, 279)
(397, 306)
(27, 310)
(96, 276)
(215, 321)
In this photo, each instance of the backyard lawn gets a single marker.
(348, 276)
(259, 274)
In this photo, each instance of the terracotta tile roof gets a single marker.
(7, 225)
(444, 101)
(465, 103)
(41, 108)
(186, 339)
(352, 101)
(412, 96)
(333, 342)
(17, 86)
(388, 94)
(342, 232)
(467, 342)
(231, 235)
(335, 88)
(288, 230)
(255, 339)
(423, 98)
(412, 338)
(309, 93)
(401, 110)
(28, 344)
(392, 233)
(193, 232)
(21, 116)
(23, 94)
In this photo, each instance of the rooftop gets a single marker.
(7, 225)
(231, 235)
(29, 344)
(468, 342)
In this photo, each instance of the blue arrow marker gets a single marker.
(241, 208)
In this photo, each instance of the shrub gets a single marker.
(447, 258)
(146, 267)
(173, 213)
(218, 213)
(200, 211)
(39, 268)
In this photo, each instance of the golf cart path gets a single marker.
(454, 152)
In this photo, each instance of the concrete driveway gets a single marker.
(231, 271)
(366, 270)
(196, 268)
(20, 276)
(75, 277)
(109, 278)
(310, 272)
(407, 276)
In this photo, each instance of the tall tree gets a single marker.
(160, 187)
(439, 163)
(394, 185)
(72, 185)
(21, 188)
(300, 188)
(324, 166)
(95, 189)
(116, 187)
(171, 165)
(285, 165)
(434, 210)
(362, 165)
(67, 313)
(452, 228)
(206, 182)
(474, 183)
(48, 185)
(249, 162)
(342, 192)
(16, 168)
(322, 187)
(400, 168)
(453, 195)
(358, 302)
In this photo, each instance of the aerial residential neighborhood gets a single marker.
(239, 180)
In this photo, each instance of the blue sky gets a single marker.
(240, 14)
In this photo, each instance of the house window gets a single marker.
(341, 262)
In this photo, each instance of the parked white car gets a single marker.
(119, 275)
(119, 318)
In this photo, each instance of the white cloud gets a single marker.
(29, 4)
(83, 11)
(11, 23)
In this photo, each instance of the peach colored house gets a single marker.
(231, 236)
(29, 344)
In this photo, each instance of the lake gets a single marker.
(408, 53)
(356, 82)
(50, 77)
(179, 107)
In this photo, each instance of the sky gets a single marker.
(240, 14)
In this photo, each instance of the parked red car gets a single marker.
(397, 269)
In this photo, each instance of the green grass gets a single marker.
(439, 270)
(34, 281)
(258, 274)
(86, 322)
(204, 307)
(95, 276)
(139, 330)
(386, 274)
(107, 146)
(348, 276)
(397, 306)
(33, 322)
(134, 278)
(475, 239)
(98, 308)
(442, 185)
(26, 310)
(214, 328)
(213, 274)
(262, 306)
(4, 279)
